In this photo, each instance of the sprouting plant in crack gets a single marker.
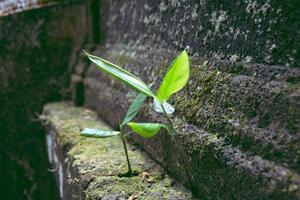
(131, 113)
(175, 79)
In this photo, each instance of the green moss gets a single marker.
(104, 186)
(203, 96)
(100, 161)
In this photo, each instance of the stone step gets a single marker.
(88, 168)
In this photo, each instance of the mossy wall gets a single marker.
(238, 117)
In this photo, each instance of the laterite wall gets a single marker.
(238, 117)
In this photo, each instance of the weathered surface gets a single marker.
(222, 126)
(8, 7)
(88, 168)
(35, 49)
(238, 121)
(250, 31)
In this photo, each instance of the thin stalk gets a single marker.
(179, 148)
(169, 121)
(126, 152)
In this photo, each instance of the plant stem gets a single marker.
(169, 121)
(183, 160)
(126, 152)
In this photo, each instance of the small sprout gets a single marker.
(131, 113)
(175, 79)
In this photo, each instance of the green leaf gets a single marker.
(158, 108)
(98, 133)
(145, 130)
(134, 108)
(121, 74)
(176, 77)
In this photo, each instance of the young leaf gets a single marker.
(134, 108)
(176, 77)
(145, 130)
(121, 74)
(158, 108)
(98, 133)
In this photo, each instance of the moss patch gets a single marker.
(245, 111)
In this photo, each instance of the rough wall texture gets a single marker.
(35, 49)
(257, 31)
(238, 121)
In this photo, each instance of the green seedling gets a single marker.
(145, 130)
(175, 79)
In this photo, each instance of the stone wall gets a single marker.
(36, 48)
(238, 117)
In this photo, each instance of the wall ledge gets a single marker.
(88, 168)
